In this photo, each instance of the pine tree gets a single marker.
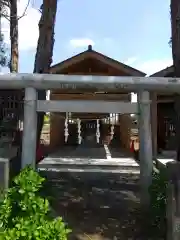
(44, 52)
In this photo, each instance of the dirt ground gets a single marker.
(98, 207)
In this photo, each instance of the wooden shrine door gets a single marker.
(166, 126)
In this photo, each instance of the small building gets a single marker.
(164, 123)
(91, 62)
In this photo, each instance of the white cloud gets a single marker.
(81, 42)
(28, 26)
(149, 66)
(154, 65)
(131, 60)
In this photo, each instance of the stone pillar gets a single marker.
(29, 128)
(145, 151)
(154, 123)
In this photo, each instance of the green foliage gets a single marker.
(4, 60)
(158, 202)
(26, 215)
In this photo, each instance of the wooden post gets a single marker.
(30, 128)
(145, 152)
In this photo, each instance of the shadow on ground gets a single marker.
(96, 206)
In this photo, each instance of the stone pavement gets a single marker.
(90, 159)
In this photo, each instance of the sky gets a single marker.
(133, 32)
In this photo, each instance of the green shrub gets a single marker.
(26, 215)
(46, 118)
(158, 202)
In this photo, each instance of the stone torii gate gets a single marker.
(143, 86)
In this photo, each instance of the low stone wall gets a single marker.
(172, 198)
(173, 201)
(7, 165)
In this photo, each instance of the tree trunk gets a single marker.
(14, 58)
(175, 26)
(14, 36)
(44, 52)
